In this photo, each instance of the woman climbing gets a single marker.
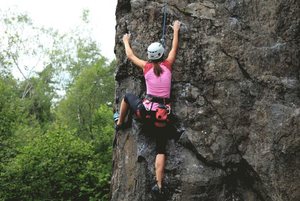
(156, 105)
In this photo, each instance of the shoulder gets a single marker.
(148, 66)
(167, 64)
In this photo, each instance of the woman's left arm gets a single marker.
(172, 54)
(140, 63)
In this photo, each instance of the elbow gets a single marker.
(130, 56)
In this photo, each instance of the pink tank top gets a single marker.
(158, 86)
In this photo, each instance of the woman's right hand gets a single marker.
(126, 37)
(176, 25)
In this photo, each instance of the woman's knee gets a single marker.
(127, 97)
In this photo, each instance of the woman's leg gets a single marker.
(131, 100)
(161, 142)
(159, 168)
(123, 112)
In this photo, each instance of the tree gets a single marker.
(9, 114)
(56, 165)
(21, 46)
(54, 147)
(91, 89)
(41, 94)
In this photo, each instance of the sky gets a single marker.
(64, 14)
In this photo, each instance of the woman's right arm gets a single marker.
(172, 54)
(140, 63)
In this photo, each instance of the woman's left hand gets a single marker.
(126, 37)
(176, 25)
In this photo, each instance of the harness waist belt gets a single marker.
(157, 99)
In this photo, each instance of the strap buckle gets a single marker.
(169, 112)
(150, 107)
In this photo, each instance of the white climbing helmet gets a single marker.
(155, 51)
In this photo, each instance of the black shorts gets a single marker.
(134, 102)
(160, 133)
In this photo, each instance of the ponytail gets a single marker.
(157, 69)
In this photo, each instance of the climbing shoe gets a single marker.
(158, 193)
(116, 119)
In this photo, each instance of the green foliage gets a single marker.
(19, 38)
(55, 165)
(87, 55)
(51, 147)
(85, 16)
(92, 88)
(185, 11)
(9, 112)
(41, 96)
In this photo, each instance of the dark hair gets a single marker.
(157, 69)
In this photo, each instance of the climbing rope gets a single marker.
(163, 35)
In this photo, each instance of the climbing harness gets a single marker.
(160, 116)
(163, 35)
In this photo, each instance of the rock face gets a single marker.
(235, 100)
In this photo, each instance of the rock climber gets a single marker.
(156, 105)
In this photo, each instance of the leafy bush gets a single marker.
(54, 147)
(56, 166)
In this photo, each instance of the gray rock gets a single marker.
(235, 101)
